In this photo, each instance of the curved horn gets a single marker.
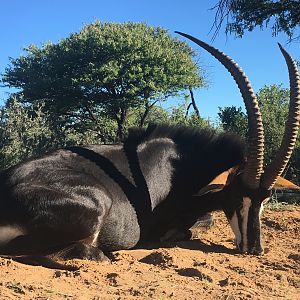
(254, 165)
(275, 169)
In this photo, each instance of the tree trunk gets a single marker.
(145, 114)
(194, 104)
(187, 110)
(121, 119)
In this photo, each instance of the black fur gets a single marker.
(129, 193)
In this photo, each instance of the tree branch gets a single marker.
(194, 104)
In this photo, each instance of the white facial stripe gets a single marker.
(8, 233)
(234, 224)
(262, 207)
(244, 215)
(261, 210)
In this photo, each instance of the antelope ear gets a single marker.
(219, 182)
(283, 184)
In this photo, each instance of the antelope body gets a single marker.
(81, 201)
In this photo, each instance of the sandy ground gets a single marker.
(206, 267)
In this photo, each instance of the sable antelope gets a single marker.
(80, 201)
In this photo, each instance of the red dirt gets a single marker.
(206, 269)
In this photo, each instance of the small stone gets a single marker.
(57, 274)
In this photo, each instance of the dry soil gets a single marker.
(207, 267)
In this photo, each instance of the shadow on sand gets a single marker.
(195, 244)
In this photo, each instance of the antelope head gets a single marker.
(250, 187)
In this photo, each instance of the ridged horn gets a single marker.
(254, 164)
(275, 169)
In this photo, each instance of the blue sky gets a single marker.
(35, 21)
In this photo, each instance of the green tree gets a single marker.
(240, 15)
(273, 102)
(178, 115)
(24, 132)
(105, 69)
(157, 114)
(27, 131)
(233, 120)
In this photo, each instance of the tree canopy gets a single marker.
(106, 68)
(233, 119)
(240, 15)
